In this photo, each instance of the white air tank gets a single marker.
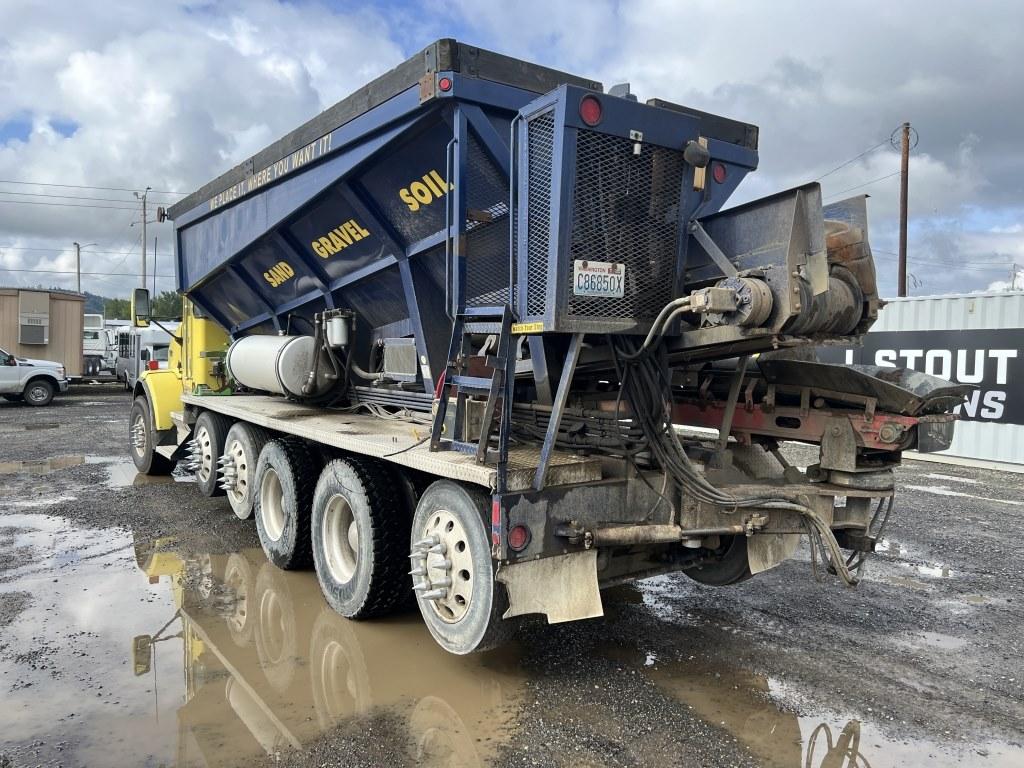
(278, 364)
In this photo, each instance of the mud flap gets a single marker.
(766, 550)
(564, 588)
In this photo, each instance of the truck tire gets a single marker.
(209, 433)
(239, 580)
(242, 446)
(276, 631)
(39, 392)
(731, 568)
(340, 675)
(360, 532)
(141, 441)
(285, 478)
(467, 618)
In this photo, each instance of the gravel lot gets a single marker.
(141, 625)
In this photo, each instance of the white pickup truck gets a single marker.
(32, 381)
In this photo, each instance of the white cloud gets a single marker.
(172, 93)
(163, 94)
(823, 83)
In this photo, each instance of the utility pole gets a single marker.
(143, 198)
(154, 267)
(78, 267)
(904, 171)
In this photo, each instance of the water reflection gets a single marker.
(233, 659)
(268, 665)
(742, 703)
(121, 471)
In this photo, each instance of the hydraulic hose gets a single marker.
(307, 388)
(667, 314)
(360, 373)
(645, 383)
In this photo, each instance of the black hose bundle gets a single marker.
(645, 383)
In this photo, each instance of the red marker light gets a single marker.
(444, 84)
(719, 173)
(518, 537)
(153, 365)
(590, 110)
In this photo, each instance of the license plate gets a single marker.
(599, 278)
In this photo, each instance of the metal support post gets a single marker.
(557, 408)
(730, 405)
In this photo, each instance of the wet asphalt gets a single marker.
(141, 625)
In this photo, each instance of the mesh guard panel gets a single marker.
(625, 211)
(487, 262)
(540, 147)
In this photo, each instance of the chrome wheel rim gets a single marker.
(235, 581)
(138, 433)
(239, 488)
(338, 681)
(272, 627)
(340, 538)
(272, 504)
(450, 567)
(204, 443)
(36, 393)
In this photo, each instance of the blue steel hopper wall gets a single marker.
(362, 226)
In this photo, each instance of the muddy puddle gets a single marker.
(121, 472)
(144, 656)
(133, 653)
(766, 715)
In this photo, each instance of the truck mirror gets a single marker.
(142, 654)
(140, 308)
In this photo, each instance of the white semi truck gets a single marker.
(94, 345)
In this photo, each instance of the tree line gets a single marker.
(165, 305)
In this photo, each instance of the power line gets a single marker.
(867, 151)
(865, 184)
(972, 267)
(60, 250)
(69, 205)
(75, 272)
(67, 197)
(127, 248)
(929, 259)
(940, 262)
(89, 186)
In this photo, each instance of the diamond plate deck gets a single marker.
(398, 442)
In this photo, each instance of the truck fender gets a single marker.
(40, 375)
(162, 389)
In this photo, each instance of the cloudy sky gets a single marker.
(99, 98)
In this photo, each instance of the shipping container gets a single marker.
(975, 338)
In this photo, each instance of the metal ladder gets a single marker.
(496, 387)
